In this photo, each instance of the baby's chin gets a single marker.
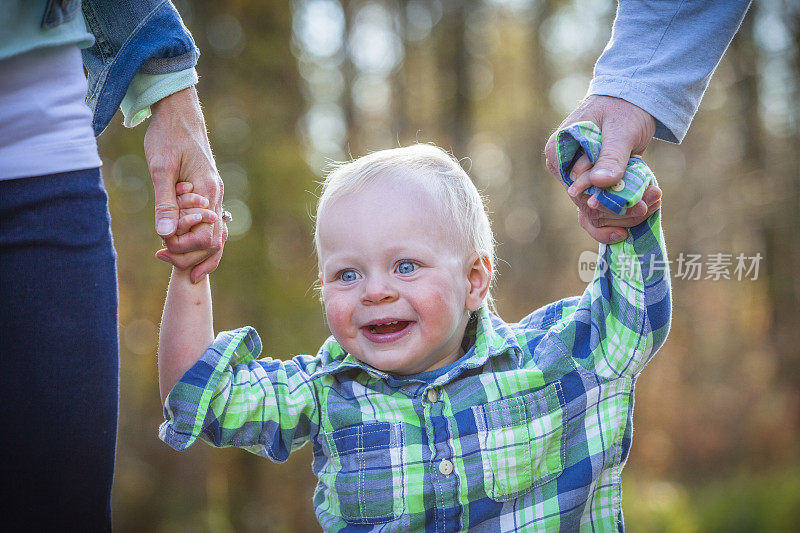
(390, 367)
(399, 368)
(389, 364)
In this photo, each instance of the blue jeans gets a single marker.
(59, 353)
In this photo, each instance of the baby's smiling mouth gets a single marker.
(388, 327)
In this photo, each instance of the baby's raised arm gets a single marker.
(187, 328)
(623, 316)
(187, 322)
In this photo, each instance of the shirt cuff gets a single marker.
(584, 137)
(671, 124)
(186, 406)
(147, 89)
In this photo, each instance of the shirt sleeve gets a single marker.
(623, 317)
(661, 57)
(147, 89)
(229, 398)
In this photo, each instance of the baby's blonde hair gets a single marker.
(431, 166)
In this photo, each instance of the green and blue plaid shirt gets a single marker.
(529, 432)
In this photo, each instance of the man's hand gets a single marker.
(176, 148)
(626, 129)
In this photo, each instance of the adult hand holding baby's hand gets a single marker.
(177, 149)
(193, 211)
(626, 129)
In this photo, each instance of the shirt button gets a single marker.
(618, 186)
(433, 396)
(446, 467)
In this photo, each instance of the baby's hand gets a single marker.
(193, 211)
(600, 223)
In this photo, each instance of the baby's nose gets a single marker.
(378, 289)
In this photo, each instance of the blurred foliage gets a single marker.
(287, 87)
(744, 502)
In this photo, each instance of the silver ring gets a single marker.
(226, 216)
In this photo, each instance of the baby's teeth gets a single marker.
(384, 324)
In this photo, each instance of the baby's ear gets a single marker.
(479, 277)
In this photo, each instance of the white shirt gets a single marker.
(45, 124)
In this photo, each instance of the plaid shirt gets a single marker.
(529, 432)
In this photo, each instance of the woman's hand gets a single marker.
(177, 150)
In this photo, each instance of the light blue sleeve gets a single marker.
(662, 54)
(147, 89)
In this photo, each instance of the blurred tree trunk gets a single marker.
(540, 122)
(541, 118)
(348, 74)
(399, 106)
(540, 80)
(774, 155)
(787, 238)
(453, 59)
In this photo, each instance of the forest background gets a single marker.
(289, 86)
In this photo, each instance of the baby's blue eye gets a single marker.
(348, 275)
(406, 267)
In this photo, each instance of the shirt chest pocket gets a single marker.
(368, 474)
(521, 442)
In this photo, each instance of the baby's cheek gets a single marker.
(337, 314)
(433, 302)
(437, 307)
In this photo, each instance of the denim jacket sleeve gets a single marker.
(131, 36)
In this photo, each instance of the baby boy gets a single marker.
(426, 411)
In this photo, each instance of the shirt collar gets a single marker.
(492, 338)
